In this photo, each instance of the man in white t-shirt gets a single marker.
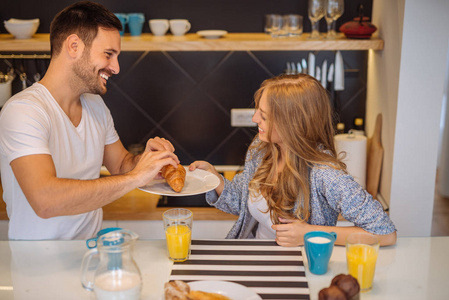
(55, 135)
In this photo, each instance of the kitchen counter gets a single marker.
(415, 268)
(193, 42)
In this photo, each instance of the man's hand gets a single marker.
(159, 144)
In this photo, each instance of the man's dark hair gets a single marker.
(82, 18)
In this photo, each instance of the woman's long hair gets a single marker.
(300, 110)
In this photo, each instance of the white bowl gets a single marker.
(22, 29)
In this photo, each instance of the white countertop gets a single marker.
(415, 268)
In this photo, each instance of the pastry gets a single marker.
(343, 287)
(199, 295)
(348, 284)
(332, 293)
(175, 177)
(179, 290)
(176, 290)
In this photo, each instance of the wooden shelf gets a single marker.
(193, 42)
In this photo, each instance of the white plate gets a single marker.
(197, 182)
(229, 289)
(212, 34)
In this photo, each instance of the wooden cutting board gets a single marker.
(375, 153)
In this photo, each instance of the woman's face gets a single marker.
(262, 119)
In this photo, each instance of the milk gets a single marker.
(319, 240)
(109, 286)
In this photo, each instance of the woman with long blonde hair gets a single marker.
(293, 181)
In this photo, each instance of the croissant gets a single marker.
(175, 177)
(179, 290)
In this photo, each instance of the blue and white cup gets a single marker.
(135, 23)
(318, 246)
(124, 20)
(92, 242)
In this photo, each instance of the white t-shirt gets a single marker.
(259, 210)
(32, 122)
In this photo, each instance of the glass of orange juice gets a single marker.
(361, 256)
(178, 231)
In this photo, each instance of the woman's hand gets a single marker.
(291, 232)
(204, 165)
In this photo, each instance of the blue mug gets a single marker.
(92, 242)
(123, 19)
(318, 246)
(135, 23)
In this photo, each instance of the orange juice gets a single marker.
(362, 264)
(178, 242)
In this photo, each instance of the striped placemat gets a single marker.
(272, 271)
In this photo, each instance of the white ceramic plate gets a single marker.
(226, 288)
(197, 182)
(212, 34)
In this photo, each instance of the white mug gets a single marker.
(179, 26)
(158, 26)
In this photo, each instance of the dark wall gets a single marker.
(187, 96)
(231, 15)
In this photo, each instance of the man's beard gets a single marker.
(88, 76)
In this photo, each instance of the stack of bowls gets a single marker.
(22, 29)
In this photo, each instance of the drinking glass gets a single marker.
(316, 12)
(334, 10)
(361, 256)
(293, 25)
(277, 26)
(269, 19)
(178, 230)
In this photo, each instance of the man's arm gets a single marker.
(51, 196)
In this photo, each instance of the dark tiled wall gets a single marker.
(231, 15)
(186, 97)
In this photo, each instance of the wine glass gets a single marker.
(334, 9)
(316, 12)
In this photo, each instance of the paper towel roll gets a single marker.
(355, 148)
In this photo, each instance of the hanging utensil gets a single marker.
(298, 67)
(23, 78)
(324, 74)
(304, 66)
(293, 68)
(37, 75)
(22, 75)
(330, 74)
(339, 84)
(311, 64)
(288, 69)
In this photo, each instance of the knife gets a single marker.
(318, 73)
(339, 84)
(298, 68)
(324, 74)
(311, 64)
(288, 70)
(330, 75)
(304, 66)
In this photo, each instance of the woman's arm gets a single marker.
(291, 233)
